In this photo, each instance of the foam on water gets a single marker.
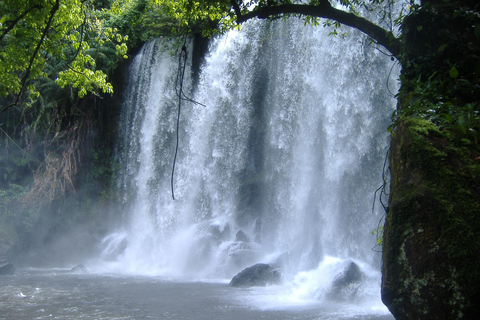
(280, 165)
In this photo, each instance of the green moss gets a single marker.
(432, 231)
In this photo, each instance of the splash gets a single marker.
(280, 165)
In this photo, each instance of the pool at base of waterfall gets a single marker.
(60, 294)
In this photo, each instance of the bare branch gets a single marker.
(324, 10)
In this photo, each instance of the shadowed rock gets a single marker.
(258, 275)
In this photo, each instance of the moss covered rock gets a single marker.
(431, 245)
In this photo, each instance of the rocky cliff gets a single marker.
(431, 252)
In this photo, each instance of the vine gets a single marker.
(182, 66)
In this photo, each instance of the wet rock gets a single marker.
(79, 269)
(258, 275)
(7, 269)
(431, 238)
(351, 274)
(239, 254)
(241, 236)
(347, 284)
(217, 231)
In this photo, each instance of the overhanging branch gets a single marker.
(324, 10)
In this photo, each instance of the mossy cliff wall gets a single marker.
(431, 245)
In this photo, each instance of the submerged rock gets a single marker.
(258, 275)
(7, 269)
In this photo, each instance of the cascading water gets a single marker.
(280, 165)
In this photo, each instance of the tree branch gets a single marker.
(12, 24)
(324, 10)
(53, 11)
(81, 39)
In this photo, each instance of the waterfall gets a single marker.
(279, 165)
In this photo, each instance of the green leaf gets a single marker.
(442, 47)
(454, 73)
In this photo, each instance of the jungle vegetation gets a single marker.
(61, 61)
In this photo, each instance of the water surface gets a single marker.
(58, 294)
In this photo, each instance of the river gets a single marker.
(59, 294)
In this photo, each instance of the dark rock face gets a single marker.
(258, 275)
(431, 243)
(8, 269)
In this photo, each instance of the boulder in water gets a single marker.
(79, 269)
(346, 284)
(7, 269)
(258, 275)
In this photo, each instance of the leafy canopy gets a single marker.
(381, 25)
(70, 37)
(65, 33)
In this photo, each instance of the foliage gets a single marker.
(8, 196)
(441, 72)
(77, 43)
(226, 14)
(378, 233)
(428, 101)
(101, 173)
(210, 16)
(140, 20)
(49, 32)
